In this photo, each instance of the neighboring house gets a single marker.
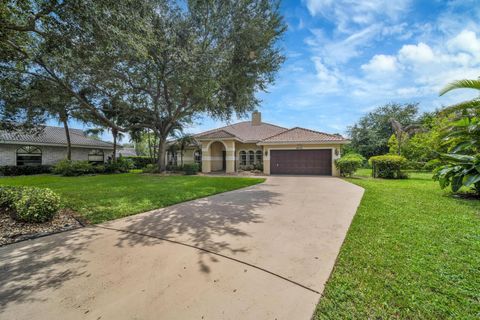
(126, 152)
(49, 147)
(256, 144)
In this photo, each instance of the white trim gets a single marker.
(302, 142)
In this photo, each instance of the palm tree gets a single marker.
(473, 104)
(117, 137)
(183, 141)
(402, 133)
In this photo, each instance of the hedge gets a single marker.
(24, 170)
(140, 162)
(388, 166)
(71, 168)
(349, 163)
(29, 204)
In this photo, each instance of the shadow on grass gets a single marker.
(211, 224)
(31, 267)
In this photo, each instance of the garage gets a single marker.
(314, 161)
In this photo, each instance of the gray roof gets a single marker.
(126, 152)
(53, 136)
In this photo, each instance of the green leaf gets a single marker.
(457, 183)
(468, 180)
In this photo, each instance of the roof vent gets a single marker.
(256, 118)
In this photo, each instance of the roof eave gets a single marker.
(265, 143)
(55, 144)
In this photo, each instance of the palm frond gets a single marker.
(461, 84)
(462, 106)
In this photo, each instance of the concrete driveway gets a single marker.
(263, 252)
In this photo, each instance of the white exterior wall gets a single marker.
(50, 155)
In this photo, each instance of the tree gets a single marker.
(402, 133)
(371, 133)
(208, 57)
(183, 141)
(461, 165)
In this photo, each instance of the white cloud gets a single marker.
(467, 42)
(349, 13)
(420, 53)
(381, 63)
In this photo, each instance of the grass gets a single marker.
(106, 197)
(412, 252)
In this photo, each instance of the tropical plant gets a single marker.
(403, 133)
(183, 141)
(461, 165)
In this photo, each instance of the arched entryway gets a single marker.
(218, 156)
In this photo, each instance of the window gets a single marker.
(243, 158)
(258, 157)
(95, 156)
(197, 155)
(29, 156)
(251, 157)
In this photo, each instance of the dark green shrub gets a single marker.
(349, 163)
(140, 162)
(191, 168)
(258, 166)
(150, 168)
(122, 165)
(71, 168)
(30, 204)
(388, 166)
(24, 170)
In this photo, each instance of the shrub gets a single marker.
(122, 165)
(191, 168)
(349, 163)
(140, 162)
(71, 168)
(388, 166)
(30, 204)
(24, 170)
(150, 168)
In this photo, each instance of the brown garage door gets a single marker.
(301, 162)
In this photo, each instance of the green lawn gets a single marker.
(105, 197)
(412, 252)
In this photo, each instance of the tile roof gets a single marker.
(53, 136)
(217, 134)
(126, 152)
(244, 131)
(297, 135)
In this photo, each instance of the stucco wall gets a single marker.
(50, 155)
(268, 148)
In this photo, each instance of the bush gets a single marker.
(150, 168)
(24, 170)
(140, 162)
(30, 204)
(122, 165)
(191, 168)
(388, 166)
(71, 168)
(349, 164)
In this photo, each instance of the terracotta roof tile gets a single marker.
(245, 131)
(297, 135)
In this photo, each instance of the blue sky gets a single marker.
(346, 57)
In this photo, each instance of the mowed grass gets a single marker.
(105, 197)
(412, 252)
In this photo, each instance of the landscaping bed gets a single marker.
(12, 230)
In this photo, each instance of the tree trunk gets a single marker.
(114, 155)
(64, 119)
(181, 157)
(162, 148)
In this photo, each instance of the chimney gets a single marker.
(256, 118)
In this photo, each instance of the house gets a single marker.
(264, 146)
(126, 152)
(49, 147)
